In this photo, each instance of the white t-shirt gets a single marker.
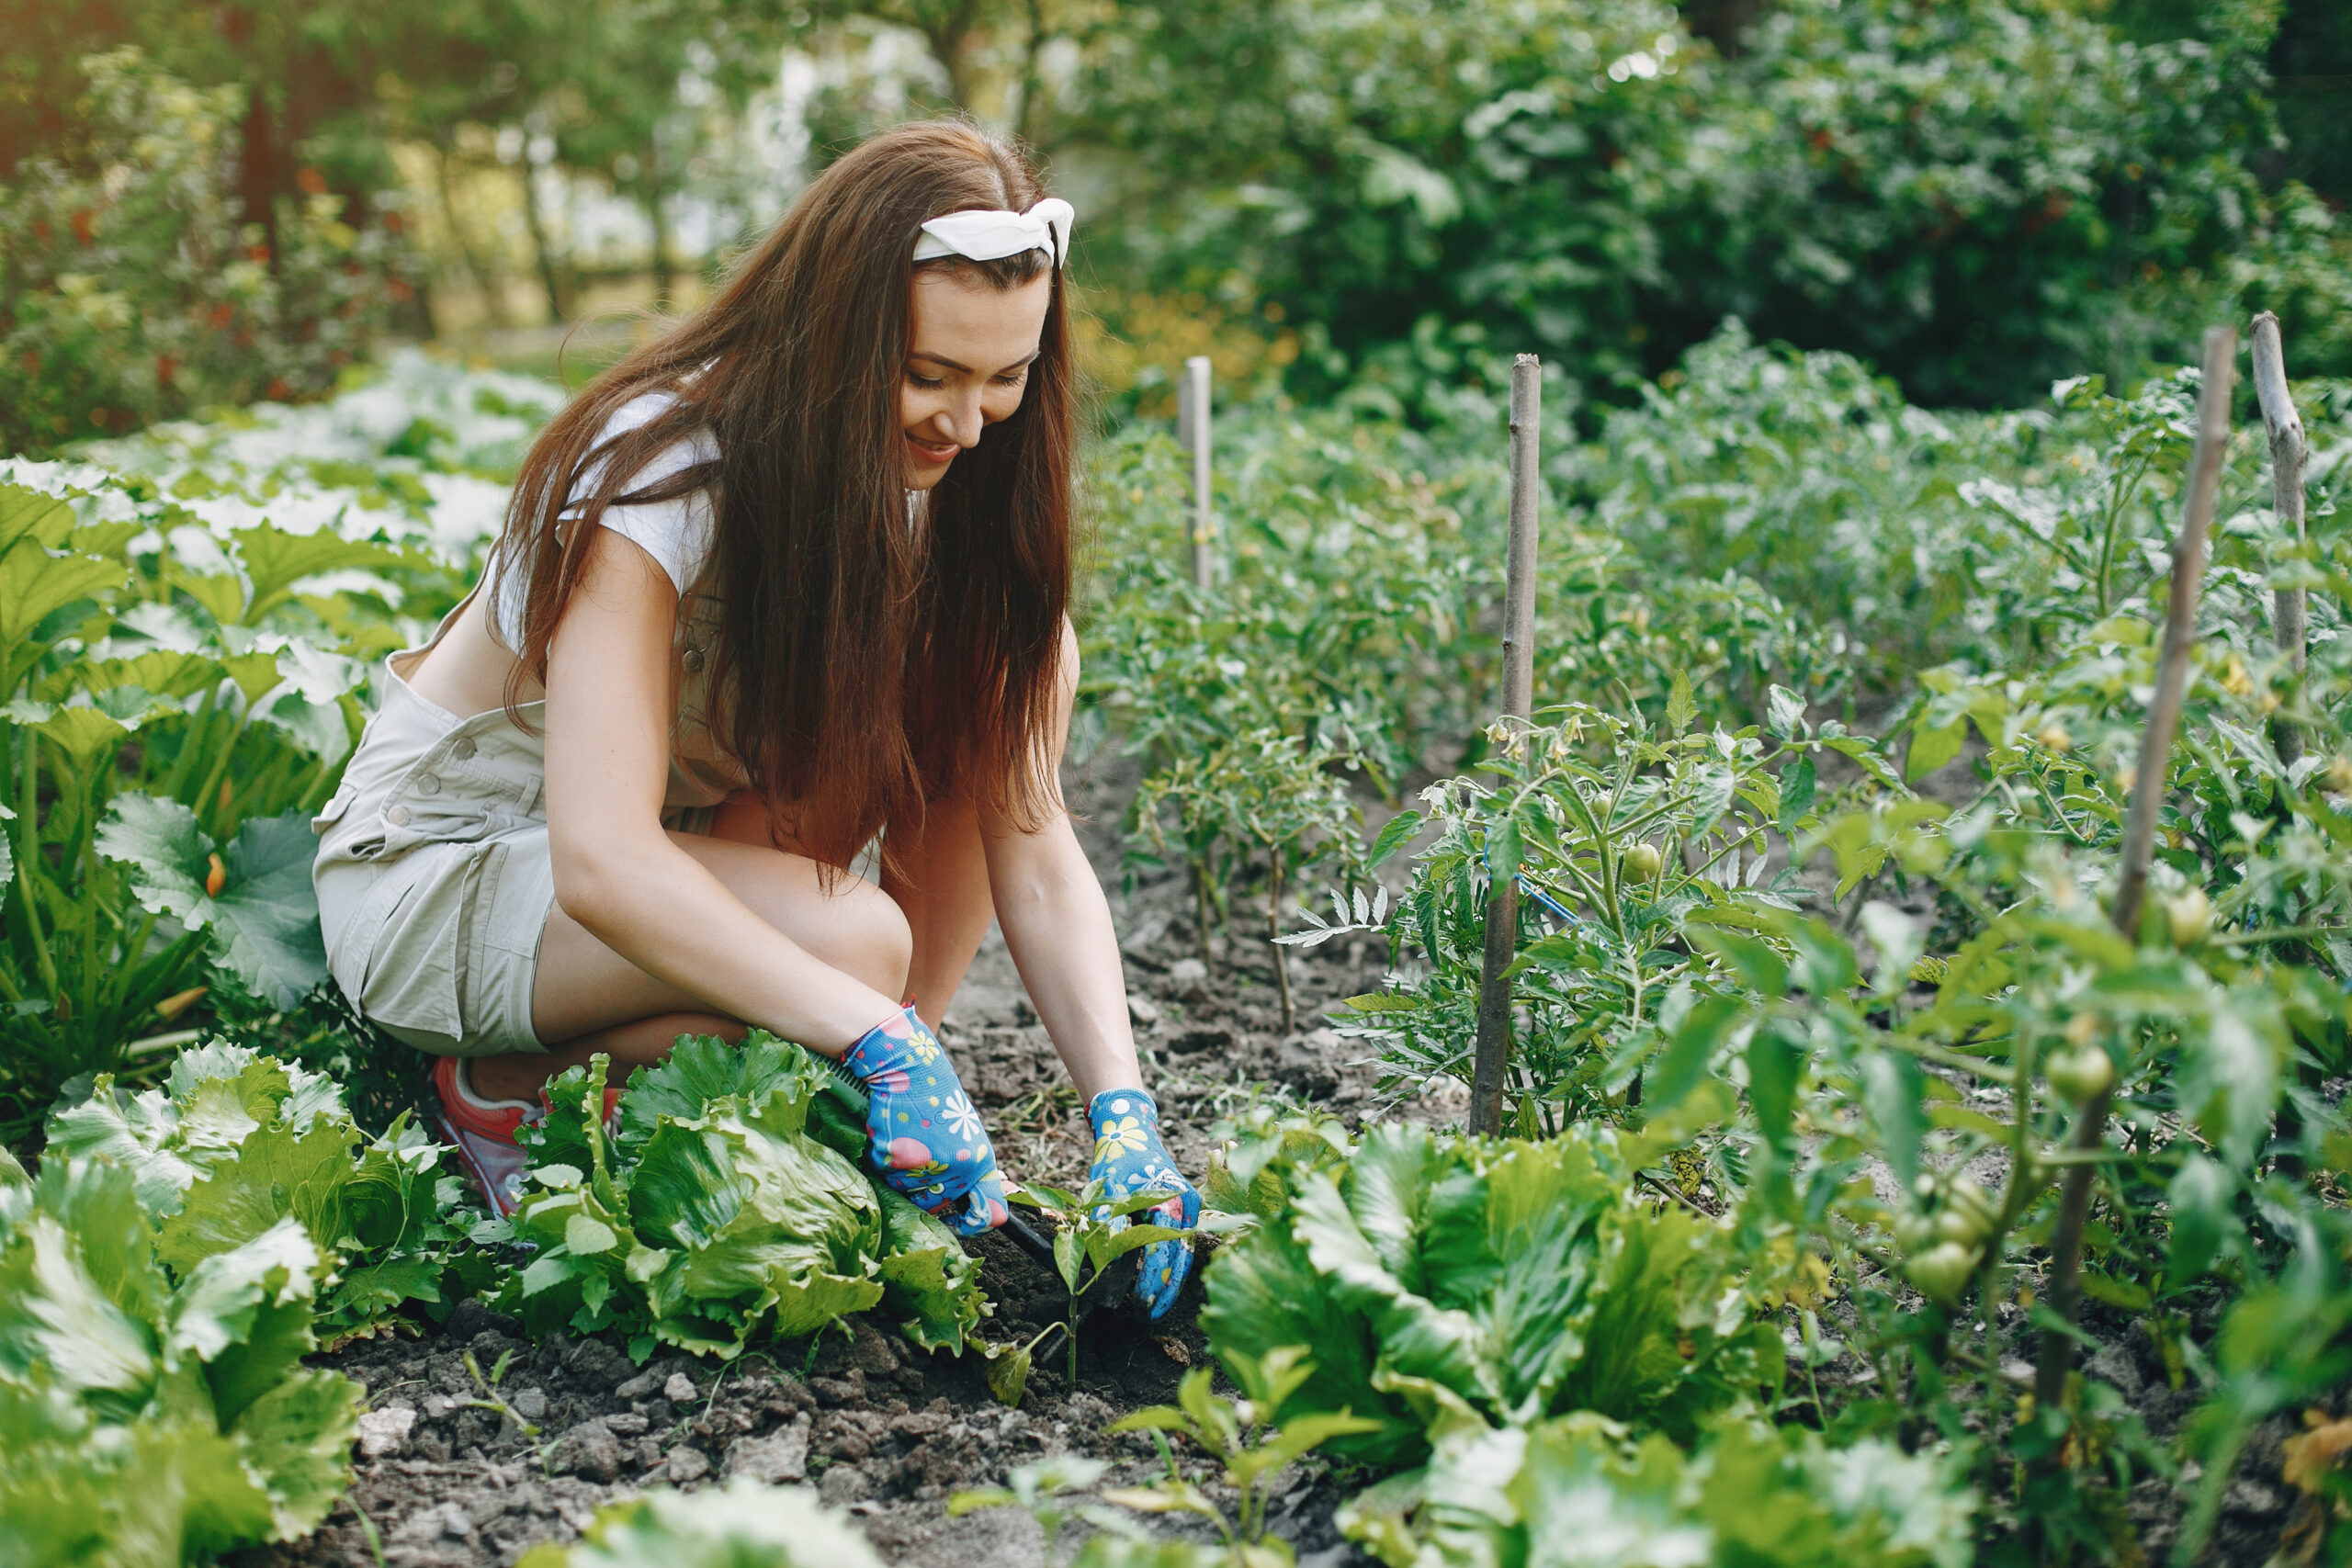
(679, 534)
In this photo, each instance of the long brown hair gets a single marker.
(863, 665)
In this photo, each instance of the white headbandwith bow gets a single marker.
(985, 235)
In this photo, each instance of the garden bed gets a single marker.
(891, 1432)
(879, 1427)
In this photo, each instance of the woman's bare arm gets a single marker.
(1057, 925)
(616, 871)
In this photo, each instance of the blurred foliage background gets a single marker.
(1372, 202)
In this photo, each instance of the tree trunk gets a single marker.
(559, 308)
(1024, 119)
(257, 173)
(494, 308)
(665, 277)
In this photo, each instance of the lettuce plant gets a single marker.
(1438, 1277)
(1579, 1492)
(150, 1422)
(710, 1213)
(232, 1142)
(741, 1525)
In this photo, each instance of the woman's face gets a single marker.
(967, 363)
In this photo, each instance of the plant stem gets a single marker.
(1200, 909)
(1518, 698)
(1274, 931)
(2140, 831)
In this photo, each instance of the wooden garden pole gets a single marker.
(2140, 828)
(1195, 431)
(2288, 452)
(1518, 698)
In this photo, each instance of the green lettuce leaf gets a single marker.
(742, 1525)
(146, 1423)
(1432, 1276)
(231, 1142)
(1580, 1492)
(722, 1206)
(928, 1277)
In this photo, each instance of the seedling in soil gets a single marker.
(1084, 1235)
(1248, 1439)
(1052, 1490)
(492, 1400)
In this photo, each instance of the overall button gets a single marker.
(694, 660)
(462, 748)
(427, 785)
(397, 815)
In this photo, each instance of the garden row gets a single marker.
(1841, 705)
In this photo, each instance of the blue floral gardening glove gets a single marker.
(1129, 1159)
(923, 1134)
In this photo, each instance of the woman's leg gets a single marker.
(943, 891)
(587, 999)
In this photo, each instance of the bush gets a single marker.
(1978, 196)
(134, 285)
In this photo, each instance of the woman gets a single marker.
(793, 576)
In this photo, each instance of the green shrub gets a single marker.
(133, 287)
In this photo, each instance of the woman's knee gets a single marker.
(879, 942)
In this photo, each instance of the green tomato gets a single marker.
(1968, 1214)
(2081, 1073)
(2188, 917)
(1913, 1232)
(1642, 862)
(1942, 1272)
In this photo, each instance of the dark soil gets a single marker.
(453, 1471)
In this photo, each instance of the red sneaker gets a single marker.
(483, 1132)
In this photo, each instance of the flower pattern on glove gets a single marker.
(1129, 1159)
(921, 1131)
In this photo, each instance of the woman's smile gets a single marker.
(929, 454)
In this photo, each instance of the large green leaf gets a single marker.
(166, 672)
(34, 584)
(927, 1275)
(1548, 1284)
(267, 912)
(55, 1315)
(742, 1525)
(28, 516)
(701, 1069)
(225, 1309)
(84, 733)
(98, 1204)
(296, 1436)
(275, 561)
(265, 916)
(276, 1172)
(166, 851)
(133, 1132)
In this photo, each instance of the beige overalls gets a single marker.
(433, 872)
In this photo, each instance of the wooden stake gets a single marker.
(1194, 430)
(2065, 1295)
(2287, 453)
(1518, 697)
